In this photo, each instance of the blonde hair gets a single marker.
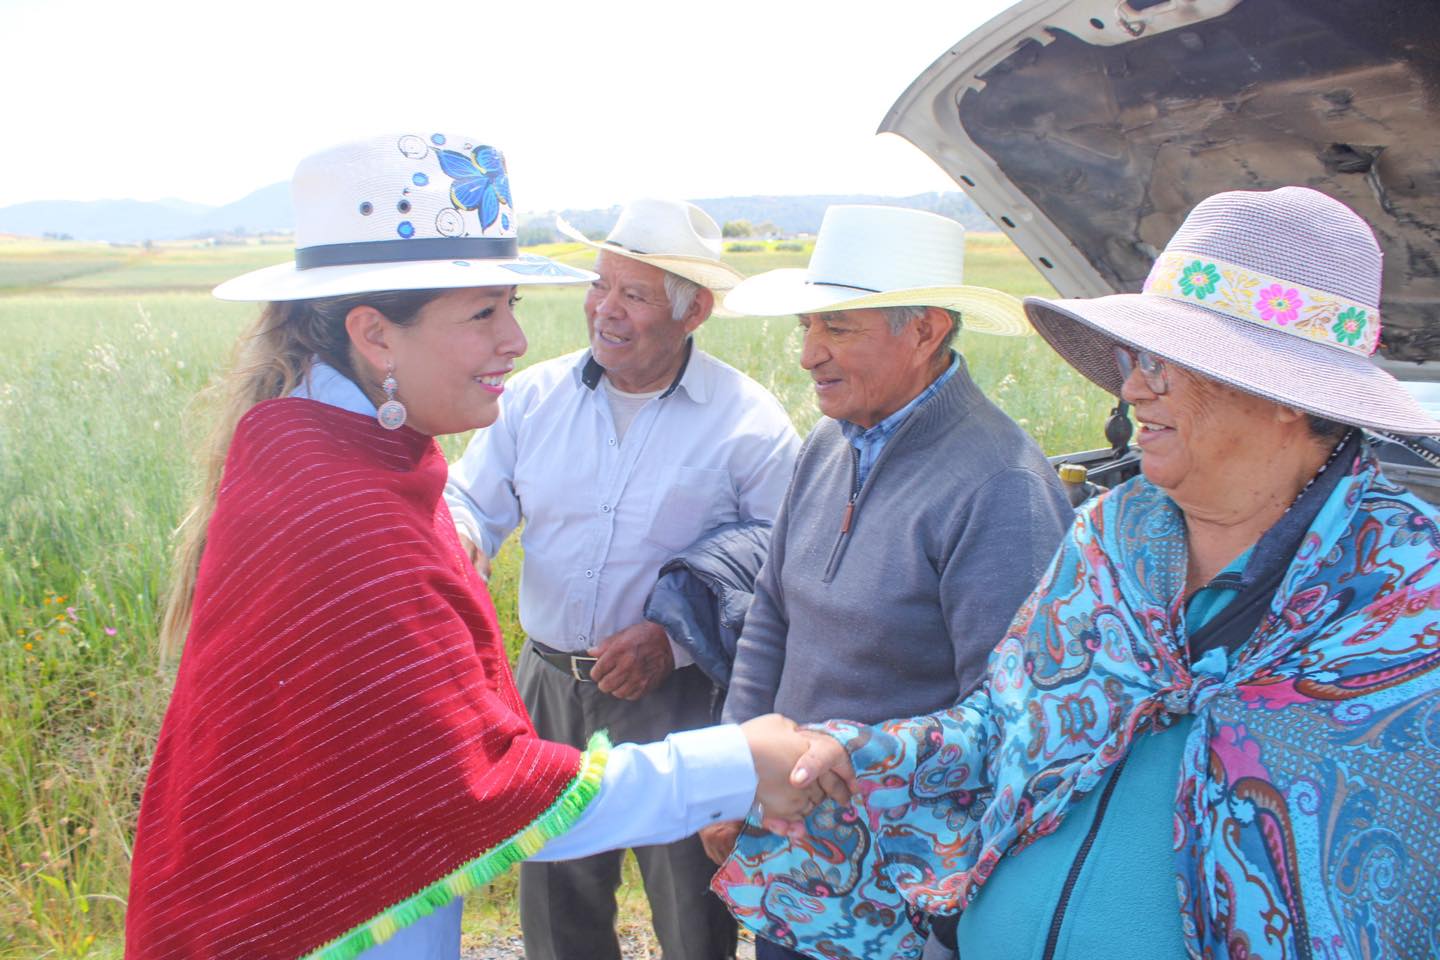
(270, 360)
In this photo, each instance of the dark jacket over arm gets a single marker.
(703, 594)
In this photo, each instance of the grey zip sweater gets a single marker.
(894, 612)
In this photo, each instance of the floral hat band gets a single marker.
(1308, 281)
(1245, 294)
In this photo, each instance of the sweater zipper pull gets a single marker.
(854, 491)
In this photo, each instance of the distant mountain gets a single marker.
(118, 220)
(791, 215)
(132, 221)
(268, 210)
(803, 214)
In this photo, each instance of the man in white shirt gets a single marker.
(616, 458)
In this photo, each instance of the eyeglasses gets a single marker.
(1151, 367)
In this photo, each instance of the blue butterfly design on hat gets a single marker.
(481, 183)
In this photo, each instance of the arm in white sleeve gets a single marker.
(660, 792)
(480, 490)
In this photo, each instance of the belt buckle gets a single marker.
(582, 675)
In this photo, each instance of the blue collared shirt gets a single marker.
(328, 385)
(870, 442)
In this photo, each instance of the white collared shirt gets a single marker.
(602, 515)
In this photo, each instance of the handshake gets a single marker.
(797, 769)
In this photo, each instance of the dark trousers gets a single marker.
(567, 909)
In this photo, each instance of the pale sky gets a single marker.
(592, 103)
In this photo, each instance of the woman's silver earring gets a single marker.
(392, 412)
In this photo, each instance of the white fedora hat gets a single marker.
(673, 235)
(873, 256)
(401, 212)
(1276, 293)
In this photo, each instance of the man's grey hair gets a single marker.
(899, 317)
(681, 293)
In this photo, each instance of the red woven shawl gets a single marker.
(344, 730)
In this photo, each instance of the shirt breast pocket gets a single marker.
(694, 501)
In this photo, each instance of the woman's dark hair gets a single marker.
(301, 329)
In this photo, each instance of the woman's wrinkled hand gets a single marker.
(797, 769)
(826, 764)
(776, 744)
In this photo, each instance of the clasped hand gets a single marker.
(797, 769)
(633, 662)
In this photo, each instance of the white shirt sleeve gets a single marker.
(661, 792)
(480, 490)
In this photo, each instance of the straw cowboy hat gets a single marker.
(404, 212)
(873, 256)
(673, 235)
(1276, 293)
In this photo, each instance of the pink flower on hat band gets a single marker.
(1279, 304)
(1243, 293)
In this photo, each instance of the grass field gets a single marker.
(107, 351)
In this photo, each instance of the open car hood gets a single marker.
(1088, 129)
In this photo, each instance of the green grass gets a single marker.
(26, 264)
(188, 270)
(107, 351)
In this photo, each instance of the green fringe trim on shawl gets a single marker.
(560, 817)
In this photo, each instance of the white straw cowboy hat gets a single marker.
(673, 235)
(1276, 293)
(403, 212)
(873, 256)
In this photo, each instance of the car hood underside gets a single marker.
(1095, 151)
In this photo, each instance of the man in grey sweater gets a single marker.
(919, 516)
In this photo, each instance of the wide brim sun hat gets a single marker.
(1276, 293)
(876, 256)
(673, 235)
(402, 212)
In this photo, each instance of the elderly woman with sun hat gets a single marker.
(1214, 727)
(345, 753)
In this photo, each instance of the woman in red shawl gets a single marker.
(345, 754)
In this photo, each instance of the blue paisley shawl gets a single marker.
(1306, 819)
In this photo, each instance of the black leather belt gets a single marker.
(576, 665)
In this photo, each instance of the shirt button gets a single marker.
(604, 508)
(612, 441)
(589, 573)
(580, 637)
